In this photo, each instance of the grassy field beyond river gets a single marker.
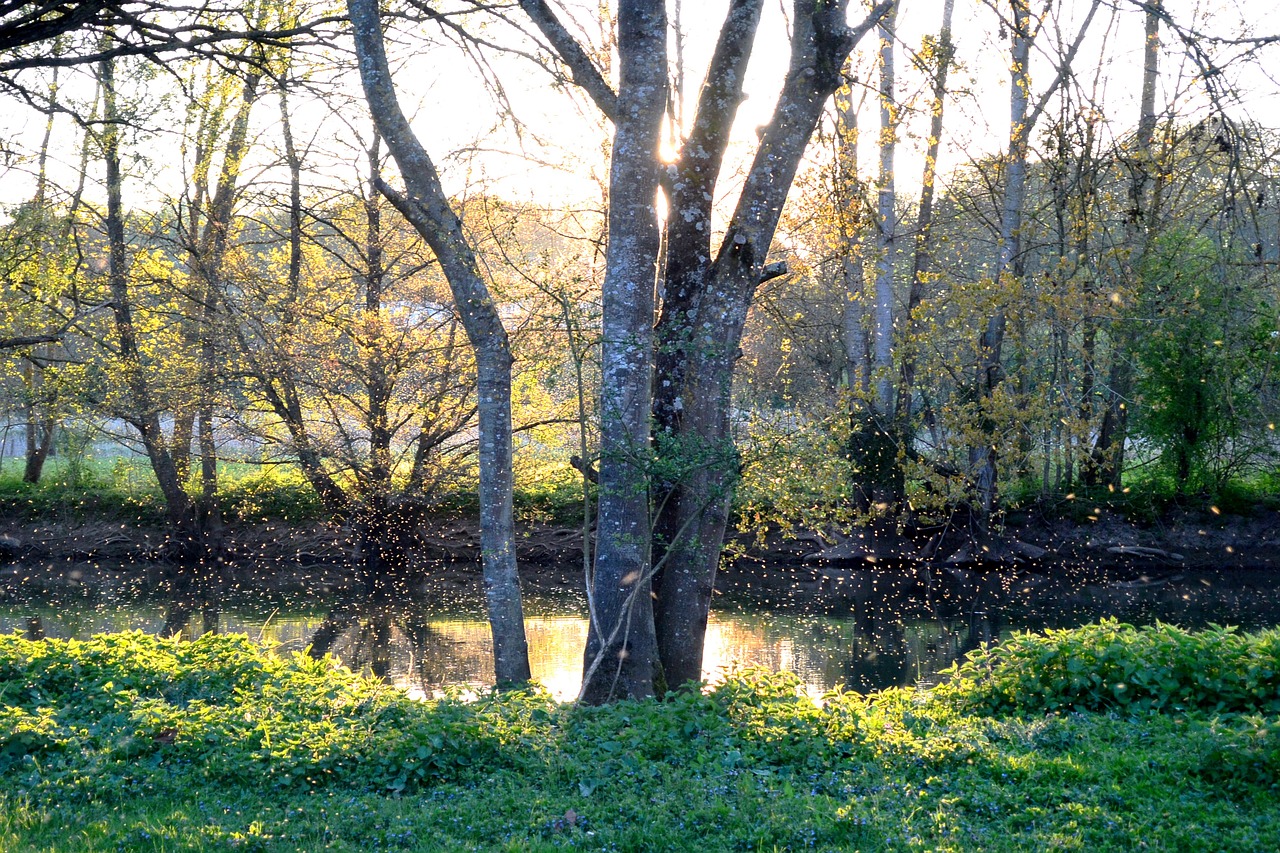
(1104, 737)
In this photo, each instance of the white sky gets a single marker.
(459, 121)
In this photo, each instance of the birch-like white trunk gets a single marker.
(886, 228)
(924, 219)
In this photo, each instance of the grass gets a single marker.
(124, 488)
(1148, 496)
(128, 742)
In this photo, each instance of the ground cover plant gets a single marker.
(131, 742)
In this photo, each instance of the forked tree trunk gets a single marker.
(701, 438)
(427, 209)
(706, 295)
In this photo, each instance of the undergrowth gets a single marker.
(132, 742)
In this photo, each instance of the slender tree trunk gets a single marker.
(39, 442)
(143, 413)
(1009, 259)
(427, 209)
(1108, 451)
(377, 527)
(208, 261)
(41, 426)
(924, 222)
(275, 374)
(982, 459)
(886, 226)
(874, 442)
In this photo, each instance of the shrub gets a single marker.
(1112, 666)
(279, 493)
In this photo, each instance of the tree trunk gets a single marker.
(208, 259)
(924, 222)
(886, 227)
(621, 656)
(1107, 457)
(1009, 259)
(704, 307)
(982, 459)
(143, 414)
(873, 442)
(39, 442)
(427, 209)
(699, 504)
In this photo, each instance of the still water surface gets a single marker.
(870, 631)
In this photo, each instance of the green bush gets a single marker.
(1112, 666)
(278, 493)
(229, 711)
(132, 742)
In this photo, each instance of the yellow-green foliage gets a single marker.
(132, 742)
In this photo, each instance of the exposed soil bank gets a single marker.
(445, 552)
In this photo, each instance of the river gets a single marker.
(865, 631)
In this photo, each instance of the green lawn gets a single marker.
(127, 742)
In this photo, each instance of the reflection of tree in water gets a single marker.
(196, 587)
(907, 626)
(394, 641)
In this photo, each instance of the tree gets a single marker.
(426, 207)
(706, 291)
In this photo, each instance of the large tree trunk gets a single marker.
(705, 299)
(427, 209)
(621, 655)
(699, 503)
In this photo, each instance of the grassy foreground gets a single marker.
(1105, 737)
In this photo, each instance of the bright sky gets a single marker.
(556, 154)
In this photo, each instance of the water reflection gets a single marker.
(864, 630)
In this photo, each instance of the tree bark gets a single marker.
(706, 295)
(143, 413)
(924, 222)
(621, 656)
(1009, 259)
(699, 503)
(1107, 458)
(427, 209)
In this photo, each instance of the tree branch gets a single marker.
(581, 69)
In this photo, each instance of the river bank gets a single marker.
(90, 549)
